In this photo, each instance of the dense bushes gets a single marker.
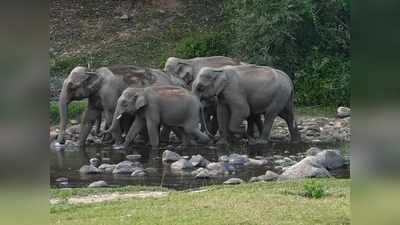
(308, 39)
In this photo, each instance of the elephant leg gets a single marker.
(268, 122)
(288, 115)
(117, 133)
(164, 136)
(98, 124)
(259, 123)
(88, 121)
(236, 119)
(250, 126)
(153, 130)
(194, 131)
(214, 124)
(223, 118)
(134, 130)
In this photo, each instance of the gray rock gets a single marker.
(94, 162)
(181, 164)
(150, 170)
(343, 112)
(133, 158)
(62, 179)
(98, 184)
(138, 172)
(278, 157)
(270, 176)
(257, 162)
(285, 162)
(170, 156)
(330, 159)
(306, 168)
(203, 174)
(86, 169)
(257, 179)
(313, 151)
(220, 168)
(125, 167)
(223, 158)
(236, 159)
(199, 161)
(107, 168)
(233, 181)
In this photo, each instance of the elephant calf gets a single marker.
(248, 90)
(155, 105)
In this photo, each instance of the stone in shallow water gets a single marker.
(270, 176)
(133, 158)
(94, 161)
(203, 174)
(313, 151)
(89, 169)
(170, 156)
(306, 168)
(199, 161)
(124, 167)
(107, 168)
(98, 184)
(343, 112)
(233, 181)
(257, 162)
(138, 172)
(181, 165)
(62, 179)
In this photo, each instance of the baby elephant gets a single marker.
(155, 105)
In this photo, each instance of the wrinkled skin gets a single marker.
(246, 90)
(102, 88)
(167, 105)
(188, 69)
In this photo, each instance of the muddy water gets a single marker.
(66, 163)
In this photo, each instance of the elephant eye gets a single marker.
(200, 87)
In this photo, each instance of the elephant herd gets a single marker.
(218, 93)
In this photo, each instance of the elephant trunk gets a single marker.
(63, 107)
(203, 121)
(115, 121)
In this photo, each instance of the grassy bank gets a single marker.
(257, 203)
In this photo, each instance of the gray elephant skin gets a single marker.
(102, 88)
(152, 106)
(188, 69)
(248, 90)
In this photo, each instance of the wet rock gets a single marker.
(257, 162)
(330, 159)
(255, 179)
(133, 158)
(94, 162)
(306, 168)
(106, 160)
(62, 179)
(170, 156)
(313, 151)
(73, 122)
(234, 181)
(125, 167)
(343, 112)
(138, 172)
(202, 173)
(278, 169)
(285, 162)
(278, 157)
(236, 159)
(181, 164)
(199, 161)
(270, 176)
(89, 169)
(150, 170)
(98, 184)
(220, 168)
(223, 158)
(107, 168)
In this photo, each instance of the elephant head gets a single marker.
(131, 100)
(79, 84)
(210, 82)
(180, 68)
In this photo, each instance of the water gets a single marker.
(66, 163)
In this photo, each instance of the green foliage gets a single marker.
(75, 109)
(203, 44)
(313, 189)
(308, 39)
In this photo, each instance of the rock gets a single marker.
(181, 164)
(255, 179)
(133, 158)
(234, 181)
(203, 174)
(313, 151)
(257, 162)
(150, 170)
(86, 169)
(220, 168)
(278, 157)
(62, 179)
(285, 162)
(74, 122)
(236, 159)
(270, 176)
(124, 167)
(215, 166)
(330, 159)
(223, 158)
(170, 156)
(124, 17)
(343, 112)
(199, 161)
(138, 172)
(107, 168)
(106, 160)
(94, 162)
(98, 184)
(309, 167)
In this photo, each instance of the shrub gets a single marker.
(203, 44)
(313, 189)
(75, 109)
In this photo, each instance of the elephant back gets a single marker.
(132, 75)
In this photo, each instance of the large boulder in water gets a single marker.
(309, 167)
(126, 167)
(181, 164)
(199, 161)
(330, 159)
(98, 184)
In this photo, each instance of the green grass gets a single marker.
(316, 111)
(75, 110)
(256, 203)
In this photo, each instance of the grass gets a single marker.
(316, 111)
(256, 203)
(75, 110)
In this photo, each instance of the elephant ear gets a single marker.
(184, 70)
(140, 102)
(220, 81)
(149, 76)
(94, 81)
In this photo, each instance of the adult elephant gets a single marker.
(248, 90)
(102, 88)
